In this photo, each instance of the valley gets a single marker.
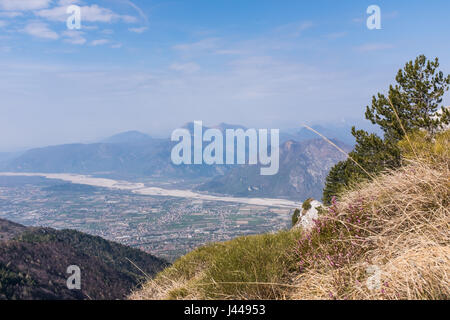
(166, 223)
(126, 189)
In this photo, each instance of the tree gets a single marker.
(413, 103)
(416, 97)
(295, 217)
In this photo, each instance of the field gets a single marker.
(167, 227)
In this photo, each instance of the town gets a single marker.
(167, 227)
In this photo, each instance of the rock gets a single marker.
(308, 214)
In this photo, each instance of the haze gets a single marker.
(154, 65)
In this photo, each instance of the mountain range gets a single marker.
(304, 162)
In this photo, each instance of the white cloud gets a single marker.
(189, 67)
(23, 5)
(55, 14)
(138, 10)
(68, 2)
(10, 14)
(92, 13)
(205, 44)
(99, 42)
(107, 31)
(74, 37)
(40, 30)
(138, 30)
(294, 29)
(128, 19)
(90, 27)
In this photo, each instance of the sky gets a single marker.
(152, 65)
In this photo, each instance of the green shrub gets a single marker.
(421, 145)
(307, 204)
(295, 217)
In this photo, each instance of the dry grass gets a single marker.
(408, 239)
(398, 224)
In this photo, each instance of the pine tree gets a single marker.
(416, 98)
(413, 103)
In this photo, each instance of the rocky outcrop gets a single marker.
(308, 213)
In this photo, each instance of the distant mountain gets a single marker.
(146, 158)
(129, 137)
(331, 131)
(222, 127)
(6, 157)
(130, 153)
(34, 261)
(303, 168)
(341, 133)
(134, 154)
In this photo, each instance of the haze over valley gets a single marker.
(125, 188)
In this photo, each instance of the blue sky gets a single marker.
(154, 65)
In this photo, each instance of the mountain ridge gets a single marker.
(34, 261)
(303, 168)
(134, 154)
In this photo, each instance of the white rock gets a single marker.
(307, 217)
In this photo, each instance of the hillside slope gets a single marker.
(34, 261)
(385, 239)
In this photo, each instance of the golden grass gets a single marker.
(408, 212)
